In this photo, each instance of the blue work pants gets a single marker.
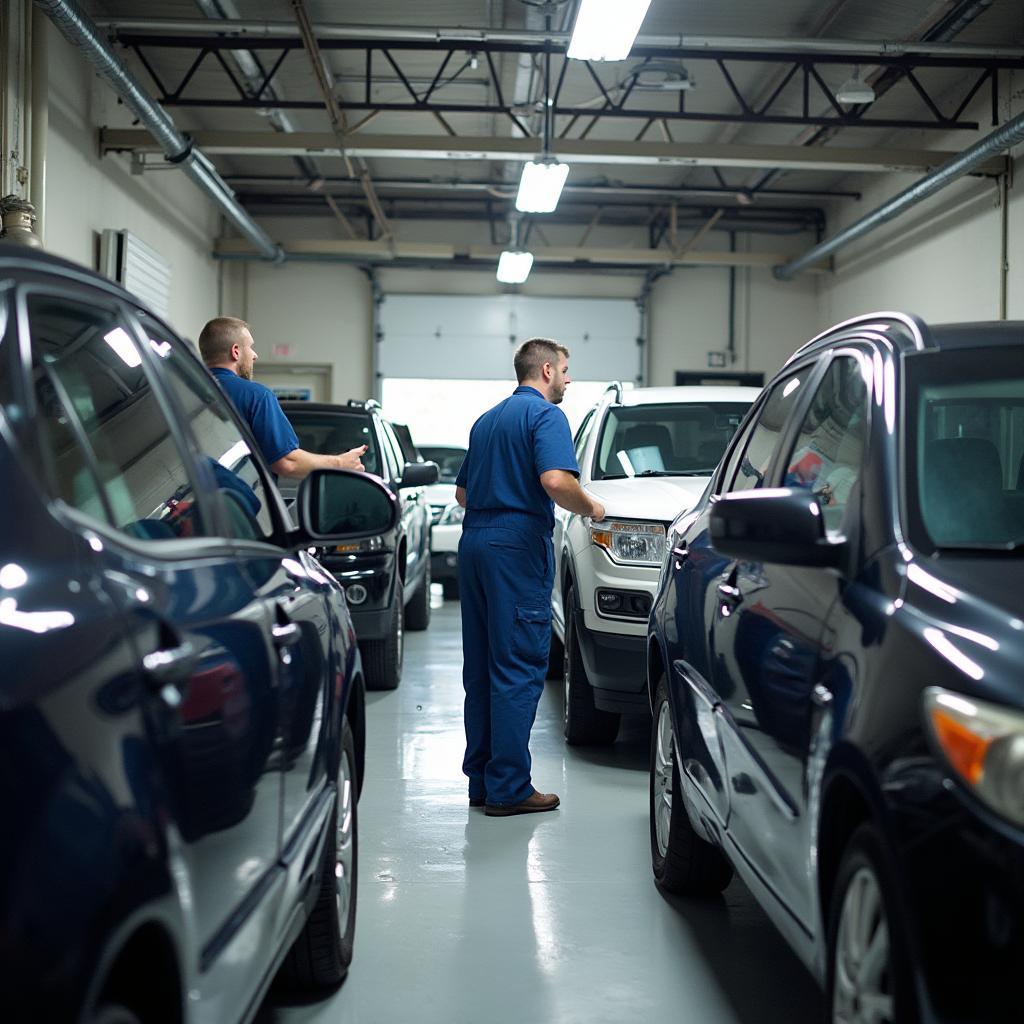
(505, 578)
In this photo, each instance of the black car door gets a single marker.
(771, 634)
(310, 641)
(205, 663)
(415, 511)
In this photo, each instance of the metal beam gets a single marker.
(247, 32)
(380, 251)
(574, 151)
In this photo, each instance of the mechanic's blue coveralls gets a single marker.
(261, 410)
(506, 570)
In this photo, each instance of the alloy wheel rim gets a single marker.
(862, 987)
(664, 747)
(344, 842)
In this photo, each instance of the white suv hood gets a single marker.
(658, 498)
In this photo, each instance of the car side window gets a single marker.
(242, 488)
(580, 441)
(107, 445)
(763, 436)
(826, 458)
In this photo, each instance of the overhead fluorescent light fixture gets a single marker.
(540, 186)
(606, 29)
(514, 267)
(853, 90)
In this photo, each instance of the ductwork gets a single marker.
(82, 33)
(994, 143)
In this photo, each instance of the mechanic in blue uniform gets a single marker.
(226, 346)
(520, 461)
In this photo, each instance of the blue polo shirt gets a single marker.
(509, 447)
(261, 410)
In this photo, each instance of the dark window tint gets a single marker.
(766, 433)
(449, 461)
(666, 440)
(107, 443)
(392, 452)
(826, 458)
(965, 447)
(329, 433)
(228, 458)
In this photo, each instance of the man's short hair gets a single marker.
(217, 337)
(531, 356)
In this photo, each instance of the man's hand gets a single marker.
(598, 511)
(352, 459)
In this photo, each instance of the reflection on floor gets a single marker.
(544, 918)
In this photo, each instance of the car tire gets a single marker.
(114, 1013)
(683, 862)
(863, 918)
(417, 614)
(382, 659)
(556, 657)
(451, 590)
(322, 952)
(583, 723)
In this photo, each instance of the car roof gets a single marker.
(690, 394)
(296, 405)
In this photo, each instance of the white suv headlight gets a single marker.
(630, 543)
(452, 515)
(984, 745)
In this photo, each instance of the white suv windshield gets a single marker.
(665, 440)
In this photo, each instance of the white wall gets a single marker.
(942, 258)
(86, 193)
(322, 311)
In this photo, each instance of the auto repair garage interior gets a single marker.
(351, 180)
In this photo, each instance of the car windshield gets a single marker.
(965, 448)
(331, 433)
(449, 460)
(665, 440)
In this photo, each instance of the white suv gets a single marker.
(646, 454)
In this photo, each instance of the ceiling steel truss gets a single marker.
(803, 82)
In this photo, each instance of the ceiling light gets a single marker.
(605, 29)
(540, 186)
(853, 90)
(657, 76)
(514, 267)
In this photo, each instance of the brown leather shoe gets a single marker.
(533, 804)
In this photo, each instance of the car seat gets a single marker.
(648, 435)
(963, 492)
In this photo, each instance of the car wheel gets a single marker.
(869, 978)
(382, 659)
(322, 952)
(683, 862)
(417, 615)
(582, 722)
(556, 657)
(451, 590)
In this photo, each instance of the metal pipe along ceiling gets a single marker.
(995, 142)
(82, 33)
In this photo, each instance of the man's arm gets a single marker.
(564, 490)
(298, 463)
(460, 496)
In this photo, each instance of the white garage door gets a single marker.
(443, 360)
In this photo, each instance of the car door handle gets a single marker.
(167, 669)
(730, 597)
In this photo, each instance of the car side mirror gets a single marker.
(335, 505)
(420, 474)
(783, 525)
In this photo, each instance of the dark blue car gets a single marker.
(835, 668)
(181, 701)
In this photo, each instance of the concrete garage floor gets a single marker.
(535, 919)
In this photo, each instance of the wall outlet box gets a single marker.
(716, 359)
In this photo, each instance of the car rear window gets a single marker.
(666, 440)
(965, 448)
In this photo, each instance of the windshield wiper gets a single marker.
(653, 472)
